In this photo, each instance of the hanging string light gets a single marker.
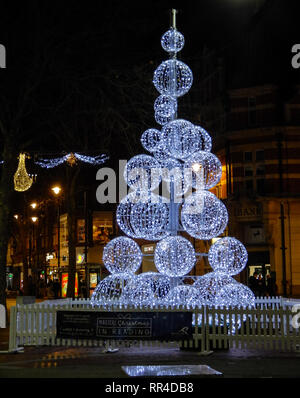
(71, 159)
(22, 181)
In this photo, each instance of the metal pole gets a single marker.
(283, 249)
(58, 236)
(173, 18)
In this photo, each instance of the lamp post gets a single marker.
(56, 191)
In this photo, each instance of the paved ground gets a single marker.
(92, 363)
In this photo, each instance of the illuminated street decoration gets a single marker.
(180, 158)
(22, 181)
(71, 159)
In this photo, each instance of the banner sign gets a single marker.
(124, 325)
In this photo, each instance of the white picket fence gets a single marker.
(268, 326)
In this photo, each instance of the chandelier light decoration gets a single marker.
(179, 156)
(22, 181)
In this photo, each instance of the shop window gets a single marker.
(102, 230)
(81, 231)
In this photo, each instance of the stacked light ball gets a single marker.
(173, 78)
(228, 255)
(110, 289)
(235, 295)
(180, 138)
(172, 41)
(210, 284)
(204, 216)
(205, 168)
(150, 139)
(142, 172)
(174, 256)
(122, 255)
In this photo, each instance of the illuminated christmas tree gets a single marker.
(182, 167)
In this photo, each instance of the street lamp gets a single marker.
(57, 190)
(33, 205)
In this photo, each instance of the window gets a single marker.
(248, 172)
(102, 228)
(249, 186)
(80, 231)
(260, 170)
(248, 156)
(260, 155)
(252, 111)
(260, 186)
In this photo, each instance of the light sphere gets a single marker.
(228, 255)
(122, 255)
(162, 120)
(180, 138)
(205, 168)
(204, 216)
(143, 215)
(160, 153)
(172, 41)
(204, 139)
(142, 172)
(110, 289)
(150, 139)
(174, 256)
(235, 295)
(209, 285)
(165, 105)
(183, 295)
(139, 291)
(173, 78)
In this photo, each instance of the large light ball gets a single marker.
(173, 78)
(205, 169)
(235, 295)
(172, 41)
(228, 255)
(142, 172)
(139, 292)
(174, 256)
(122, 255)
(165, 105)
(183, 295)
(210, 284)
(204, 216)
(204, 139)
(150, 139)
(110, 289)
(180, 138)
(143, 215)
